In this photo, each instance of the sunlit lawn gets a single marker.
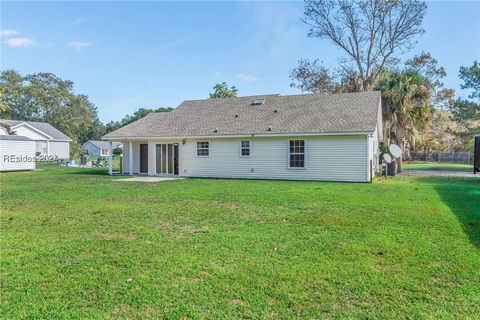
(75, 243)
(439, 166)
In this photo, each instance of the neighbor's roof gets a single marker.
(103, 144)
(44, 127)
(305, 113)
(14, 137)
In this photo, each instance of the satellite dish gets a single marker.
(387, 158)
(395, 150)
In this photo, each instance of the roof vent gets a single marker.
(216, 130)
(236, 116)
(269, 128)
(258, 102)
(275, 111)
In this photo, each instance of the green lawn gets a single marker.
(77, 244)
(438, 166)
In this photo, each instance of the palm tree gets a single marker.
(406, 108)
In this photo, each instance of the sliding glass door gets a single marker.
(167, 158)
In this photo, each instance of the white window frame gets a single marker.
(249, 149)
(304, 154)
(196, 149)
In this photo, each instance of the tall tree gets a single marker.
(46, 97)
(312, 76)
(471, 79)
(411, 97)
(140, 113)
(221, 90)
(426, 66)
(467, 114)
(405, 104)
(370, 32)
(441, 133)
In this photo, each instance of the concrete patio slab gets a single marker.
(148, 179)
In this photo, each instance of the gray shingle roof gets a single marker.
(42, 126)
(103, 144)
(305, 113)
(14, 137)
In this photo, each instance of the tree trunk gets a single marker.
(399, 163)
(400, 141)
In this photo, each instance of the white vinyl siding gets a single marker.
(374, 151)
(330, 158)
(28, 132)
(19, 149)
(61, 149)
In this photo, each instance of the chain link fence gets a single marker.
(465, 157)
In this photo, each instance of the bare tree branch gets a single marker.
(371, 32)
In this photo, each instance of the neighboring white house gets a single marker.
(49, 141)
(99, 148)
(298, 137)
(17, 153)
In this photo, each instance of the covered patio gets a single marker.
(147, 157)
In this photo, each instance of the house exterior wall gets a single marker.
(92, 149)
(328, 158)
(28, 132)
(18, 149)
(136, 156)
(61, 149)
(375, 154)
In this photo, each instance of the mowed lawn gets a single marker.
(75, 243)
(439, 166)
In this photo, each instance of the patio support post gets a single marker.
(151, 158)
(130, 158)
(110, 158)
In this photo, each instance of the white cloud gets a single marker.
(78, 45)
(20, 42)
(248, 77)
(8, 33)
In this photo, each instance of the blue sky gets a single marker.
(126, 55)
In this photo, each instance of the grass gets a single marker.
(438, 166)
(77, 244)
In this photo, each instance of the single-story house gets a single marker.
(17, 153)
(298, 137)
(49, 141)
(99, 148)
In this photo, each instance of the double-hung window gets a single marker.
(296, 154)
(203, 149)
(245, 148)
